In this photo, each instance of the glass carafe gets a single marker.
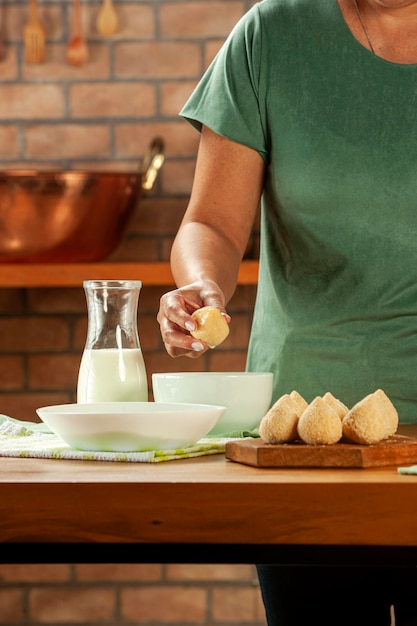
(112, 367)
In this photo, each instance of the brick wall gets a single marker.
(203, 595)
(102, 116)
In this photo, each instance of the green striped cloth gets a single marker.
(408, 470)
(30, 439)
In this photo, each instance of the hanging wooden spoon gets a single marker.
(107, 20)
(2, 46)
(77, 52)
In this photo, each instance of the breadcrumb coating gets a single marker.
(300, 402)
(340, 408)
(279, 424)
(320, 424)
(370, 420)
(391, 414)
(327, 419)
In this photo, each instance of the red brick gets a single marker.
(180, 138)
(112, 100)
(136, 21)
(11, 606)
(178, 177)
(119, 572)
(11, 372)
(239, 329)
(243, 299)
(53, 371)
(9, 63)
(158, 217)
(51, 300)
(56, 67)
(73, 605)
(166, 247)
(210, 572)
(158, 59)
(12, 301)
(235, 607)
(161, 362)
(149, 298)
(106, 166)
(211, 48)
(180, 604)
(33, 333)
(30, 102)
(224, 361)
(199, 19)
(22, 406)
(8, 142)
(260, 609)
(136, 249)
(31, 573)
(174, 95)
(28, 164)
(67, 140)
(149, 333)
(14, 16)
(80, 333)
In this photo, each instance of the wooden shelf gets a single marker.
(73, 274)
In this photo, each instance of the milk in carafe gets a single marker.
(110, 373)
(112, 366)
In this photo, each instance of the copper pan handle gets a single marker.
(152, 162)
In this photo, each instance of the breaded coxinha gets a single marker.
(320, 423)
(372, 419)
(279, 425)
(340, 408)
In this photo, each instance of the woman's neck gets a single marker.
(386, 27)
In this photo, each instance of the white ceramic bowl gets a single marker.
(246, 395)
(130, 426)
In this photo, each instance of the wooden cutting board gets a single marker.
(396, 450)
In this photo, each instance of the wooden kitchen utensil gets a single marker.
(34, 36)
(77, 52)
(2, 46)
(107, 20)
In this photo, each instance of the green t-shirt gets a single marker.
(336, 307)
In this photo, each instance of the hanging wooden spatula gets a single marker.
(34, 36)
(77, 52)
(107, 20)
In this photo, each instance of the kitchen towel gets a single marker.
(30, 439)
(408, 470)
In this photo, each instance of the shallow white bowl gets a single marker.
(246, 395)
(130, 426)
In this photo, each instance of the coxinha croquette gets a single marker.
(326, 420)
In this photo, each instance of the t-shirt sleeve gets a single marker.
(227, 97)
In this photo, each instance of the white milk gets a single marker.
(112, 375)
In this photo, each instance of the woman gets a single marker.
(311, 106)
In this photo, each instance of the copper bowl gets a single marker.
(73, 216)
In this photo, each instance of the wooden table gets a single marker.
(206, 509)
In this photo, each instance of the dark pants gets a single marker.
(303, 595)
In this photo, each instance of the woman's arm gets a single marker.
(213, 235)
(216, 227)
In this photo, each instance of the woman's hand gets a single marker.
(210, 244)
(174, 316)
